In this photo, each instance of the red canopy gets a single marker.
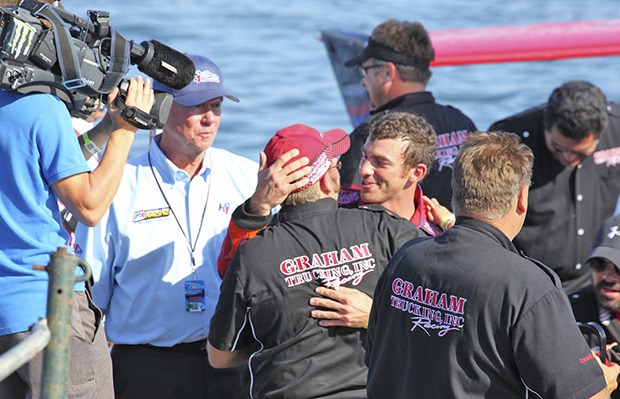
(537, 42)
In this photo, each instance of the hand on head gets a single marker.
(277, 181)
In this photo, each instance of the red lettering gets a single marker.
(457, 304)
(361, 251)
(397, 286)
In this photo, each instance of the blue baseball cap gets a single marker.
(208, 84)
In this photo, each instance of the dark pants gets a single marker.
(182, 371)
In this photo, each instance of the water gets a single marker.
(271, 59)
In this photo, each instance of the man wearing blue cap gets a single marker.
(154, 253)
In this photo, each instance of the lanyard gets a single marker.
(192, 247)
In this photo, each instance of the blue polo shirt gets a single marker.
(37, 148)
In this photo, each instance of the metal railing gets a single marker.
(55, 339)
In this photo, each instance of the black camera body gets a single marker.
(45, 49)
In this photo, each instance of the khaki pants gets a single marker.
(90, 366)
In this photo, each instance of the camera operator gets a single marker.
(42, 162)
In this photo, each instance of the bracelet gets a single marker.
(90, 145)
(449, 218)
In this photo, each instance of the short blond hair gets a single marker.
(307, 195)
(488, 174)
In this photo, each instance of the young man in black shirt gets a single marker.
(575, 138)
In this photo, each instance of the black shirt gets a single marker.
(463, 315)
(450, 125)
(264, 307)
(566, 204)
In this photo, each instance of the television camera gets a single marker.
(46, 49)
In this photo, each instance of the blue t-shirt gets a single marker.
(37, 148)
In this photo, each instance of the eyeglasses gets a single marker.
(563, 150)
(364, 69)
(600, 265)
(337, 166)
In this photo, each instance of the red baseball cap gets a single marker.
(319, 148)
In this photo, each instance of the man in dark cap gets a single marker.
(600, 301)
(395, 70)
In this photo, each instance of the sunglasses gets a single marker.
(563, 150)
(364, 69)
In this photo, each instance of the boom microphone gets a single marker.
(163, 64)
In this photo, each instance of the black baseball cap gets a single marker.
(607, 242)
(375, 49)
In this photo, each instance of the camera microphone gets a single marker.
(163, 63)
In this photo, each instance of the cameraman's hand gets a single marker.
(139, 95)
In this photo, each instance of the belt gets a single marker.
(184, 347)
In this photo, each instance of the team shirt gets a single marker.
(566, 204)
(244, 225)
(264, 307)
(464, 315)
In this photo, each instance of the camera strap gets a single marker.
(67, 56)
(136, 117)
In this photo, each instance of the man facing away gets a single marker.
(154, 254)
(263, 314)
(396, 157)
(463, 314)
(575, 138)
(395, 70)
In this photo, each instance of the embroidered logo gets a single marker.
(77, 249)
(206, 76)
(610, 157)
(333, 268)
(224, 207)
(150, 214)
(431, 311)
(448, 145)
(613, 232)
